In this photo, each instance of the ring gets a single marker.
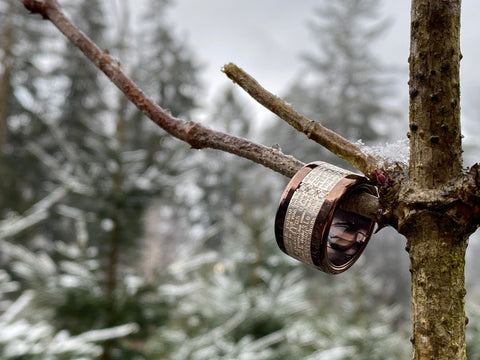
(310, 224)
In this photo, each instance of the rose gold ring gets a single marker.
(310, 225)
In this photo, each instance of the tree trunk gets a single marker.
(436, 243)
(437, 255)
(116, 234)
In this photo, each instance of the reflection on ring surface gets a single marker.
(348, 233)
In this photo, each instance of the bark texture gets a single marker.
(437, 255)
(436, 242)
(436, 152)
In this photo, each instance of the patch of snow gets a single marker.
(388, 154)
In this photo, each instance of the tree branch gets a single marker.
(198, 136)
(36, 213)
(314, 130)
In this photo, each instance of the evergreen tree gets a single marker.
(240, 298)
(113, 163)
(216, 312)
(167, 72)
(24, 51)
(340, 86)
(27, 321)
(128, 171)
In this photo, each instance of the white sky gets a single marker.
(266, 37)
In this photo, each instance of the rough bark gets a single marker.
(437, 254)
(436, 241)
(436, 152)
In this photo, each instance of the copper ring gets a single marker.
(308, 207)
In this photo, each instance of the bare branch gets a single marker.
(314, 130)
(198, 136)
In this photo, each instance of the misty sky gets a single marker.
(266, 38)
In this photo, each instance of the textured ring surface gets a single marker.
(308, 208)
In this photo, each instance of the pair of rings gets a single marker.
(311, 225)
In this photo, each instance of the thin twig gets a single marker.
(314, 130)
(198, 136)
(35, 214)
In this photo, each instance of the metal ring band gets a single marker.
(307, 208)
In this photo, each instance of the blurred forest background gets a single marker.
(119, 242)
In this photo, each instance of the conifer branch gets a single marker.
(198, 136)
(313, 129)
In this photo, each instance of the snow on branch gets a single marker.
(77, 184)
(37, 213)
(198, 136)
(109, 333)
(17, 308)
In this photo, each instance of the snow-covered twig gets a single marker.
(78, 216)
(64, 176)
(37, 213)
(109, 333)
(17, 307)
